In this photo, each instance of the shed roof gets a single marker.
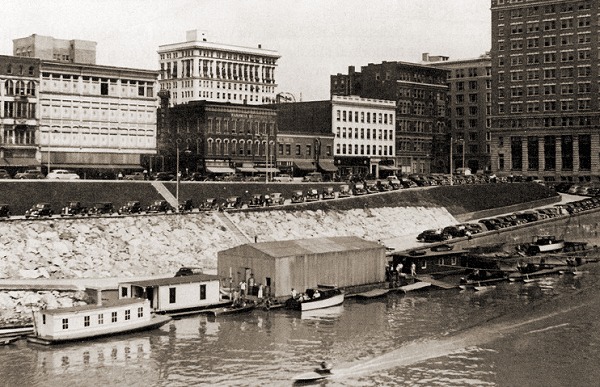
(175, 280)
(282, 249)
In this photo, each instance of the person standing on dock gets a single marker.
(260, 292)
(242, 289)
(413, 270)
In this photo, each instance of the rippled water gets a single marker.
(540, 334)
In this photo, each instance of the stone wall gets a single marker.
(160, 244)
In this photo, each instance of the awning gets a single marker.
(327, 166)
(22, 162)
(388, 168)
(220, 170)
(268, 170)
(304, 165)
(245, 169)
(96, 166)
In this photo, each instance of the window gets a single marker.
(113, 317)
(308, 150)
(298, 150)
(65, 323)
(86, 321)
(140, 312)
(172, 295)
(127, 314)
(124, 291)
(203, 292)
(100, 319)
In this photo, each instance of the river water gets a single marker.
(545, 333)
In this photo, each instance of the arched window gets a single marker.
(9, 87)
(226, 147)
(31, 88)
(218, 147)
(9, 69)
(209, 146)
(20, 88)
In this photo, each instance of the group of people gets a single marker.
(249, 288)
(395, 273)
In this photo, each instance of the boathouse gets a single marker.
(175, 294)
(304, 263)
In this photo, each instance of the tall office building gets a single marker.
(49, 48)
(420, 93)
(545, 104)
(470, 105)
(201, 70)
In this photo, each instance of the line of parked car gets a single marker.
(504, 221)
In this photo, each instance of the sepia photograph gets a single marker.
(308, 192)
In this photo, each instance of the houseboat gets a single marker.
(321, 297)
(439, 260)
(52, 326)
(177, 296)
(544, 244)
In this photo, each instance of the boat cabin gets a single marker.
(428, 261)
(175, 294)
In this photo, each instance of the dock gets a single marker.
(374, 293)
(437, 283)
(415, 286)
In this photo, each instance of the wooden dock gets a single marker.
(374, 293)
(437, 283)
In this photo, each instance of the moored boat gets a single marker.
(230, 309)
(52, 326)
(321, 297)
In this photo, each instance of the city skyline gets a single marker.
(339, 34)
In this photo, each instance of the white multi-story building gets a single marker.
(364, 131)
(200, 70)
(94, 117)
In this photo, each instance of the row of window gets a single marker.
(286, 149)
(548, 106)
(583, 21)
(18, 136)
(220, 55)
(18, 109)
(547, 122)
(546, 73)
(100, 318)
(219, 70)
(107, 86)
(549, 57)
(173, 294)
(368, 150)
(353, 116)
(19, 69)
(377, 134)
(241, 127)
(546, 10)
(19, 88)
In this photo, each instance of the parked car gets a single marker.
(73, 208)
(312, 195)
(313, 177)
(344, 191)
(328, 193)
(188, 270)
(255, 201)
(62, 174)
(394, 182)
(131, 207)
(233, 202)
(102, 208)
(30, 174)
(457, 231)
(433, 235)
(209, 204)
(38, 210)
(359, 189)
(164, 176)
(298, 197)
(283, 177)
(266, 200)
(160, 206)
(135, 176)
(4, 211)
(491, 224)
(371, 187)
(4, 174)
(186, 206)
(277, 198)
(196, 176)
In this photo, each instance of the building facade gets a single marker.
(545, 105)
(469, 108)
(200, 70)
(48, 48)
(304, 138)
(420, 93)
(19, 122)
(215, 138)
(96, 118)
(364, 135)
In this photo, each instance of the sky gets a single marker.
(315, 38)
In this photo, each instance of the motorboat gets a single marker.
(317, 298)
(322, 372)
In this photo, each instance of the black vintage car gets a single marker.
(266, 200)
(73, 209)
(255, 201)
(209, 204)
(102, 208)
(40, 209)
(277, 198)
(186, 206)
(312, 195)
(298, 197)
(328, 193)
(159, 206)
(344, 191)
(131, 207)
(233, 202)
(4, 211)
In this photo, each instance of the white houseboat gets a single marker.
(177, 295)
(52, 326)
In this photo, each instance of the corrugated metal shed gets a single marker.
(304, 263)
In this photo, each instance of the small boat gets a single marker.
(231, 309)
(127, 315)
(544, 244)
(321, 297)
(11, 331)
(482, 288)
(320, 373)
(9, 340)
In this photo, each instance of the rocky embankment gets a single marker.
(160, 244)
